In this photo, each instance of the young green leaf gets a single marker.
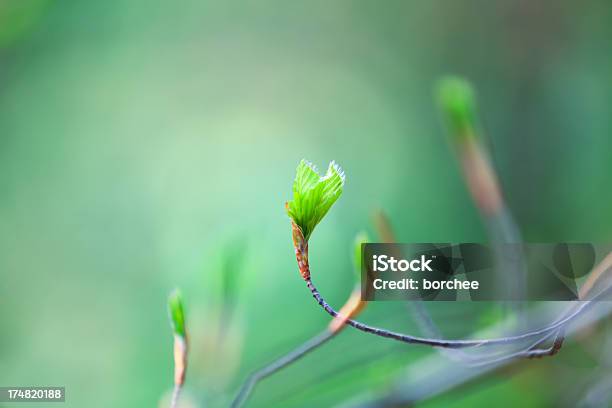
(176, 314)
(457, 102)
(314, 195)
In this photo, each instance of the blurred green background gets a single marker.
(148, 144)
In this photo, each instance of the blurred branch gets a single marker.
(434, 375)
(383, 226)
(457, 102)
(353, 306)
(599, 386)
(418, 310)
(284, 361)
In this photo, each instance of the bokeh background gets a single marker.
(146, 145)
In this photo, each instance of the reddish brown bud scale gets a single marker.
(301, 250)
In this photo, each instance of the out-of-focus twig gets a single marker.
(247, 387)
(434, 375)
(597, 279)
(353, 306)
(430, 329)
(457, 103)
(419, 312)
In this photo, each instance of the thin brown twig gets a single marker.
(453, 344)
(301, 251)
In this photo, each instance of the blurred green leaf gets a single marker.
(361, 238)
(176, 313)
(232, 265)
(18, 18)
(457, 102)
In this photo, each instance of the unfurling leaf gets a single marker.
(313, 195)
